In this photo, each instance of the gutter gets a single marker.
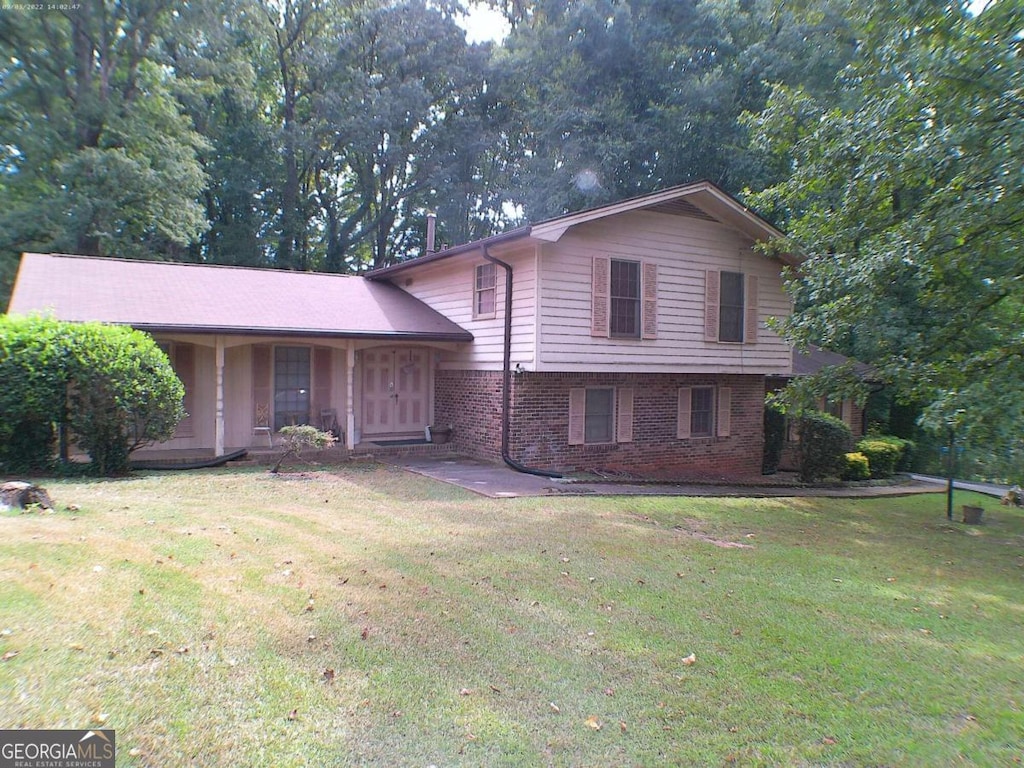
(506, 378)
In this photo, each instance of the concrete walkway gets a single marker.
(989, 489)
(500, 481)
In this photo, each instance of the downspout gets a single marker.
(506, 381)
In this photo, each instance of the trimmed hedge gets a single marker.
(883, 454)
(824, 442)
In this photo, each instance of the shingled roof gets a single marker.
(199, 298)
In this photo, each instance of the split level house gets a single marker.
(633, 336)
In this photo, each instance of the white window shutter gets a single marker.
(649, 304)
(712, 294)
(724, 411)
(600, 291)
(750, 309)
(683, 414)
(577, 415)
(624, 415)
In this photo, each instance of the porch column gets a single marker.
(350, 396)
(218, 433)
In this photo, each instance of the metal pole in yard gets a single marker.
(949, 475)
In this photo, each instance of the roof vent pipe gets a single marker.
(431, 228)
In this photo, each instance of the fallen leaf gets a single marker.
(622, 726)
(593, 723)
(690, 660)
(9, 655)
(76, 647)
(329, 676)
(829, 741)
(365, 633)
(609, 691)
(294, 714)
(554, 707)
(494, 688)
(99, 718)
(134, 752)
(465, 692)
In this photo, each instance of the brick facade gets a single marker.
(539, 436)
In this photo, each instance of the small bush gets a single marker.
(300, 437)
(824, 442)
(883, 455)
(857, 467)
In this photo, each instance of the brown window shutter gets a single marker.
(185, 366)
(577, 415)
(261, 385)
(848, 413)
(649, 306)
(624, 415)
(599, 296)
(712, 293)
(750, 308)
(321, 382)
(724, 411)
(683, 414)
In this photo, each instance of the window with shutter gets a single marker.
(597, 414)
(697, 410)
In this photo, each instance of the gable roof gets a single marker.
(199, 298)
(702, 199)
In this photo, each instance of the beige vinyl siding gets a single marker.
(682, 249)
(448, 288)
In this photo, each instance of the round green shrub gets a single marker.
(883, 455)
(111, 386)
(824, 442)
(857, 467)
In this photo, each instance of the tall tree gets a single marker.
(908, 198)
(98, 156)
(612, 98)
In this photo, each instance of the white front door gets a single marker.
(395, 390)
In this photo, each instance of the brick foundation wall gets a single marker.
(471, 402)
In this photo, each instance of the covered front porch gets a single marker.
(241, 390)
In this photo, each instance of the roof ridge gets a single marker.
(161, 262)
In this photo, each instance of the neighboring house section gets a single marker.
(632, 337)
(638, 336)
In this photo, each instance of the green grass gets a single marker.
(196, 613)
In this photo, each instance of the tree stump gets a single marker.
(22, 495)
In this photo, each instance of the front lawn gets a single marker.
(364, 616)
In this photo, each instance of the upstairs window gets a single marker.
(624, 299)
(730, 310)
(484, 291)
(731, 307)
(624, 320)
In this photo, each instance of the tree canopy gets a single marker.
(313, 135)
(905, 191)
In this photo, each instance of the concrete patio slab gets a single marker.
(500, 481)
